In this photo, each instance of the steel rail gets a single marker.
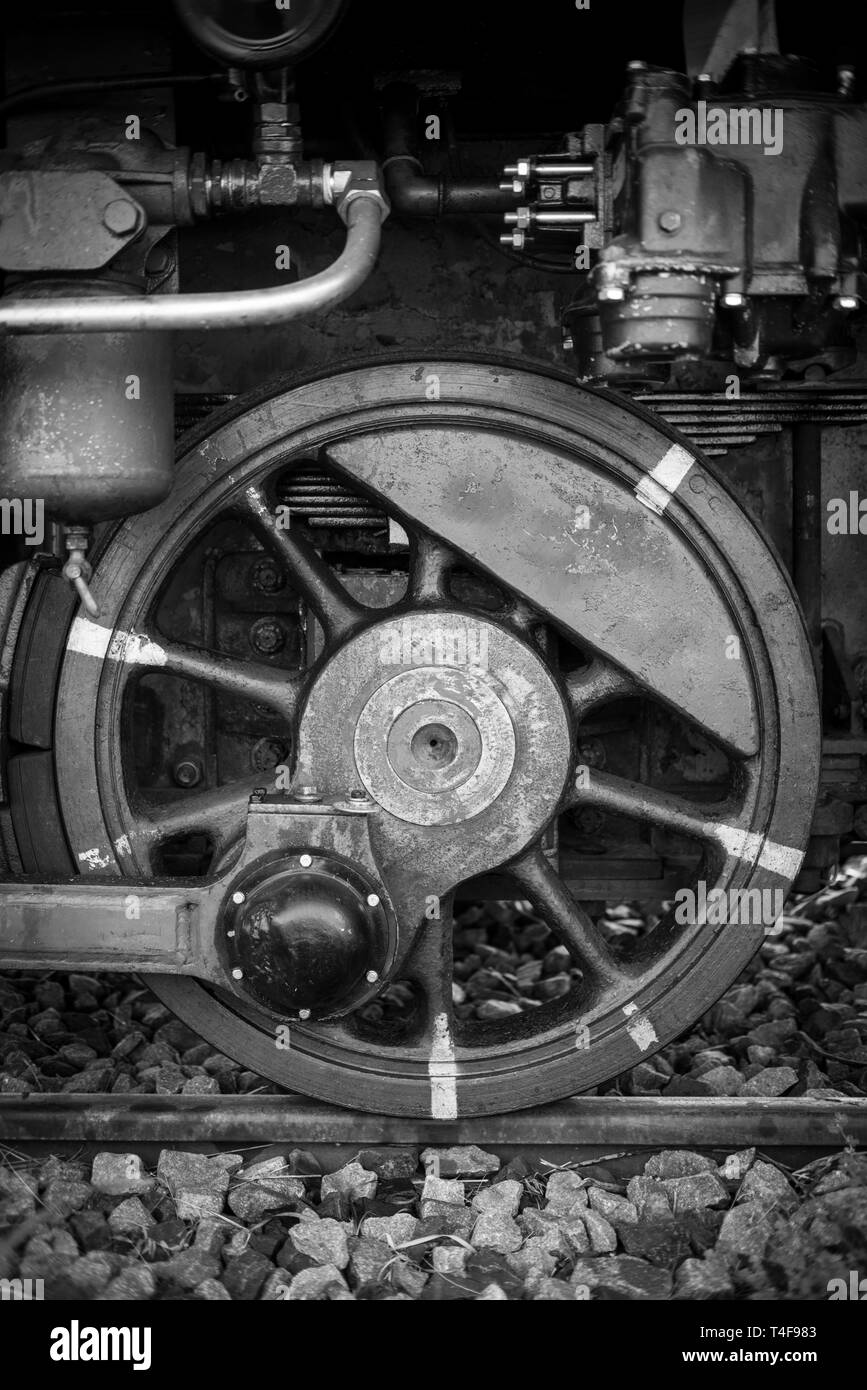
(584, 1126)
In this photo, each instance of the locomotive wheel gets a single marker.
(598, 523)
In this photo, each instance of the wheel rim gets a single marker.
(529, 1058)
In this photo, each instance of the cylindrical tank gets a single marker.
(86, 419)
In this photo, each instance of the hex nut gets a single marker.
(120, 216)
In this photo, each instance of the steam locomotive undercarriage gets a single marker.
(432, 627)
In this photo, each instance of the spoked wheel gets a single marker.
(564, 551)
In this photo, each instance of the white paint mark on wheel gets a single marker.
(89, 638)
(443, 1072)
(92, 639)
(122, 845)
(640, 1028)
(746, 844)
(661, 483)
(93, 859)
(136, 651)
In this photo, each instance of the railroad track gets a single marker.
(589, 1128)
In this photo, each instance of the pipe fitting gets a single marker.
(343, 184)
(417, 194)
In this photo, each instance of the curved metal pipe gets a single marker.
(410, 189)
(417, 194)
(225, 309)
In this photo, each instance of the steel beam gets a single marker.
(122, 925)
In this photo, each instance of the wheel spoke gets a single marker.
(252, 680)
(597, 683)
(619, 796)
(431, 563)
(570, 923)
(430, 964)
(336, 610)
(220, 812)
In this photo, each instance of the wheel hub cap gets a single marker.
(435, 745)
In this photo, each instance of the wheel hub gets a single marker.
(435, 745)
(479, 731)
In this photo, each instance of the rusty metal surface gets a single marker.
(86, 423)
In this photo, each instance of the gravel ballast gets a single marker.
(452, 1223)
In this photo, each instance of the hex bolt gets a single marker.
(846, 302)
(670, 220)
(230, 934)
(120, 216)
(267, 636)
(549, 193)
(373, 900)
(303, 1014)
(237, 973)
(188, 772)
(238, 897)
(360, 799)
(611, 293)
(372, 976)
(734, 300)
(305, 861)
(307, 792)
(159, 260)
(268, 577)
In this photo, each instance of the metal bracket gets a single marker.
(64, 220)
